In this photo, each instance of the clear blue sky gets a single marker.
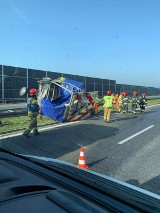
(115, 39)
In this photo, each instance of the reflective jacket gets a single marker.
(120, 99)
(142, 101)
(134, 100)
(108, 101)
(97, 100)
(32, 105)
(125, 100)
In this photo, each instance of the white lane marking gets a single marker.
(152, 105)
(138, 133)
(40, 130)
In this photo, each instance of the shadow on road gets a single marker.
(124, 118)
(58, 142)
(151, 185)
(96, 162)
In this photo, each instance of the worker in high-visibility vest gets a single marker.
(108, 103)
(134, 101)
(96, 103)
(125, 101)
(116, 101)
(143, 103)
(33, 111)
(120, 102)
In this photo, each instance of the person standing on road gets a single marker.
(120, 102)
(33, 111)
(116, 97)
(96, 103)
(125, 101)
(143, 103)
(108, 103)
(134, 102)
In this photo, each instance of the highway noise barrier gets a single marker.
(82, 162)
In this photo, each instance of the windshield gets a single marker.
(79, 82)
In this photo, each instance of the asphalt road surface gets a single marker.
(127, 149)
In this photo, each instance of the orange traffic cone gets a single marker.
(82, 162)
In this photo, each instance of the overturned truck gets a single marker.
(64, 100)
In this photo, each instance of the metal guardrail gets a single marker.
(9, 113)
(8, 101)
